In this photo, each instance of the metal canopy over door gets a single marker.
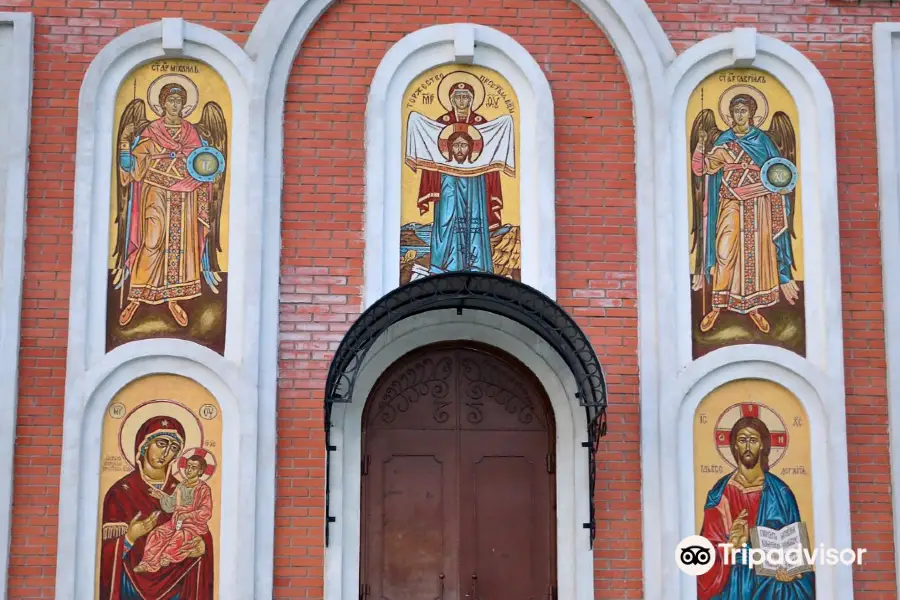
(458, 484)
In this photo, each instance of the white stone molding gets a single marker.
(93, 376)
(574, 556)
(16, 54)
(406, 60)
(818, 379)
(886, 41)
(818, 176)
(88, 397)
(644, 51)
(824, 405)
(284, 24)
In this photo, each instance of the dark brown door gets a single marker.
(458, 488)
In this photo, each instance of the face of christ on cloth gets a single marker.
(461, 145)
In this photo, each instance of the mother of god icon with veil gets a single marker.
(461, 156)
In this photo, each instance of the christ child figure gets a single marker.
(191, 509)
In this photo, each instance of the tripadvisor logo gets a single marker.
(695, 555)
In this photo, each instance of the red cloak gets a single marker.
(191, 579)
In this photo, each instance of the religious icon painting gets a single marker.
(460, 188)
(746, 226)
(168, 246)
(160, 492)
(752, 488)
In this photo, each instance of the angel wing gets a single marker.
(781, 132)
(706, 122)
(131, 125)
(506, 252)
(213, 130)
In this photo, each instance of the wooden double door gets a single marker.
(458, 480)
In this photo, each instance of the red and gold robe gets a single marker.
(169, 219)
(192, 579)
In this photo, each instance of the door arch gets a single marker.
(458, 487)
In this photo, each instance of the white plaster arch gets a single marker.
(630, 26)
(93, 376)
(407, 59)
(824, 404)
(80, 473)
(745, 47)
(574, 556)
(822, 368)
(886, 41)
(284, 24)
(94, 156)
(16, 52)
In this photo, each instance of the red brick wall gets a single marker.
(324, 200)
(68, 34)
(323, 243)
(837, 36)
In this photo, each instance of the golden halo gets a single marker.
(762, 105)
(193, 94)
(448, 83)
(193, 433)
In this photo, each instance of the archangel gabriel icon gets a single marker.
(744, 242)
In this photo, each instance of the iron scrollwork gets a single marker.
(482, 292)
(493, 385)
(425, 378)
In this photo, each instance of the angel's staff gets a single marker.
(127, 218)
(705, 229)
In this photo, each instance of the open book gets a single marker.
(790, 537)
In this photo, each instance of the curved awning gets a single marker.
(482, 292)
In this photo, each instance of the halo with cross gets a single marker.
(767, 415)
(206, 455)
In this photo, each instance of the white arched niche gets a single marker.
(824, 405)
(818, 175)
(574, 555)
(16, 54)
(407, 59)
(822, 368)
(93, 376)
(80, 477)
(886, 40)
(645, 52)
(170, 38)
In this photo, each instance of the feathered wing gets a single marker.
(705, 121)
(213, 129)
(131, 125)
(781, 132)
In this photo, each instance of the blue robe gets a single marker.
(460, 236)
(777, 509)
(757, 144)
